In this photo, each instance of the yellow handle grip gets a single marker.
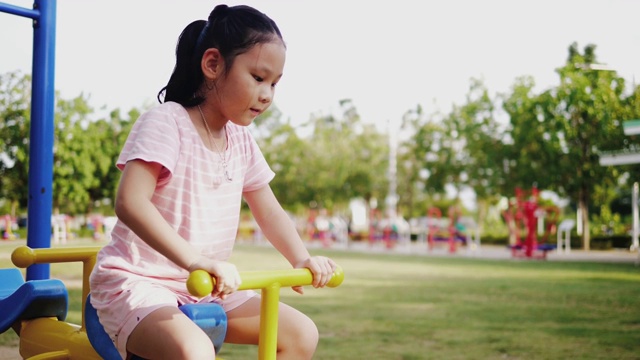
(200, 283)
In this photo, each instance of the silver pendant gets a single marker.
(225, 171)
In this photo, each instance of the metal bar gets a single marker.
(634, 210)
(26, 257)
(20, 11)
(620, 159)
(41, 134)
(268, 342)
(631, 127)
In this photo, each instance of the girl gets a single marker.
(185, 167)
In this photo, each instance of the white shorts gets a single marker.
(120, 314)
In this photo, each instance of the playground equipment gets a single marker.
(327, 229)
(320, 227)
(36, 309)
(564, 233)
(61, 229)
(390, 230)
(368, 222)
(522, 217)
(96, 223)
(8, 234)
(358, 224)
(43, 16)
(394, 231)
(443, 230)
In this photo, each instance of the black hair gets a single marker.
(232, 30)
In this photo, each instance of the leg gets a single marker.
(167, 333)
(297, 334)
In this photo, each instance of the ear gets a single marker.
(212, 64)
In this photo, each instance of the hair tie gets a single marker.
(217, 14)
(219, 11)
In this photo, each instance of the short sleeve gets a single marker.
(153, 138)
(259, 173)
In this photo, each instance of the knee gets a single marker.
(196, 350)
(308, 337)
(196, 346)
(301, 339)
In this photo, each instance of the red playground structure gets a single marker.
(522, 218)
(451, 234)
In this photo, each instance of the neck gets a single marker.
(215, 120)
(214, 130)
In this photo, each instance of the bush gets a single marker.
(603, 242)
(494, 240)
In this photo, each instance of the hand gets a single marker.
(321, 267)
(226, 275)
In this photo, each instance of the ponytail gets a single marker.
(184, 81)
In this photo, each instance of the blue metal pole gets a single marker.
(17, 10)
(41, 134)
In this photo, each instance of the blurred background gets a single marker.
(386, 112)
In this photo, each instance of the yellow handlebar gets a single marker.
(24, 256)
(200, 283)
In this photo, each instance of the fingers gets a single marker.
(322, 269)
(227, 279)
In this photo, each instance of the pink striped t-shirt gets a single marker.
(192, 193)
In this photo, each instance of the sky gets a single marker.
(387, 57)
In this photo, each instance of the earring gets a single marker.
(206, 83)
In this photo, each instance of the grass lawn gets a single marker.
(421, 307)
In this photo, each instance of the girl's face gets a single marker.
(248, 88)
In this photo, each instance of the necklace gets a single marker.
(220, 153)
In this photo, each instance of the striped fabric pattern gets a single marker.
(192, 193)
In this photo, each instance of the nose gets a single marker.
(266, 94)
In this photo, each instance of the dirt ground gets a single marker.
(9, 353)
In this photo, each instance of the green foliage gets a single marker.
(85, 154)
(339, 160)
(15, 97)
(85, 150)
(551, 140)
(489, 145)
(558, 135)
(607, 223)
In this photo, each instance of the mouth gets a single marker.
(255, 111)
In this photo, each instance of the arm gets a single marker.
(133, 206)
(279, 229)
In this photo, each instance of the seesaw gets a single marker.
(37, 309)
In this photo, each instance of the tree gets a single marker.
(84, 150)
(15, 110)
(419, 177)
(462, 149)
(340, 159)
(85, 154)
(112, 134)
(73, 168)
(557, 135)
(479, 139)
(348, 159)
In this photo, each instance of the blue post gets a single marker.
(42, 125)
(41, 143)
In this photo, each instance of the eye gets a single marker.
(274, 84)
(258, 78)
